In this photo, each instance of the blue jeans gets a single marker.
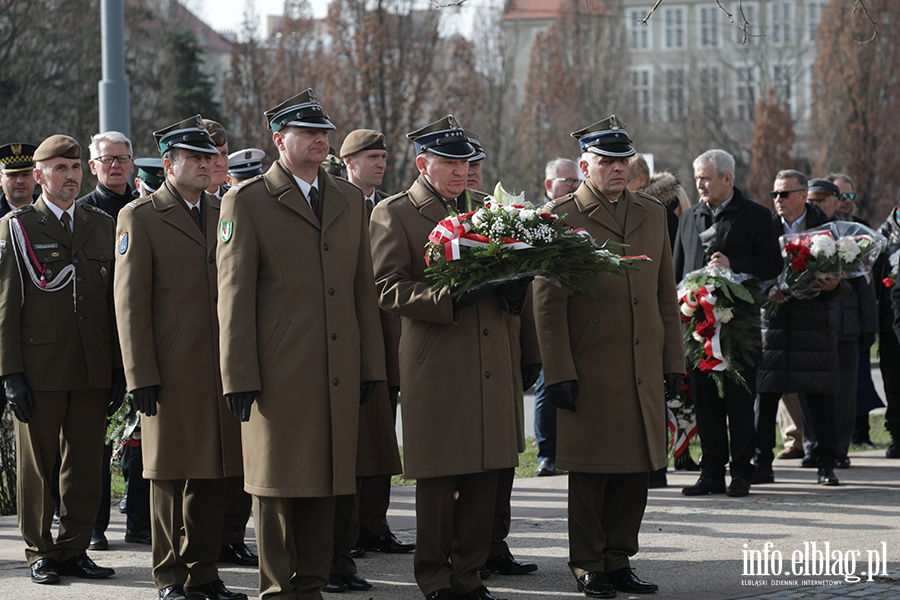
(137, 507)
(544, 422)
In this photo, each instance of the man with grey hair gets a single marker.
(727, 230)
(111, 162)
(560, 178)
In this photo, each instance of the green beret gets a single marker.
(56, 146)
(362, 139)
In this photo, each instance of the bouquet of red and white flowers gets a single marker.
(808, 257)
(509, 239)
(682, 420)
(894, 273)
(720, 310)
(858, 247)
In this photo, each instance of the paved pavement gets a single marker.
(694, 548)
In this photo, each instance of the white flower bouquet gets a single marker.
(858, 247)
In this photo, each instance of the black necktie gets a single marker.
(314, 202)
(65, 219)
(195, 214)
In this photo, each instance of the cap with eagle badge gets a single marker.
(303, 110)
(476, 143)
(246, 163)
(18, 157)
(362, 139)
(190, 134)
(57, 146)
(445, 137)
(151, 173)
(605, 138)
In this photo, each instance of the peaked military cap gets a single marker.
(823, 185)
(18, 157)
(56, 146)
(444, 137)
(190, 134)
(216, 132)
(246, 163)
(605, 138)
(303, 110)
(150, 171)
(362, 139)
(476, 143)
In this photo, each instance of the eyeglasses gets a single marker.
(106, 159)
(851, 197)
(569, 182)
(783, 193)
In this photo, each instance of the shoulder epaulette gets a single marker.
(647, 196)
(21, 210)
(389, 199)
(94, 209)
(138, 202)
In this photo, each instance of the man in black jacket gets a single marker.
(724, 230)
(111, 162)
(799, 342)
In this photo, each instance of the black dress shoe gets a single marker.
(596, 585)
(441, 594)
(173, 592)
(545, 468)
(827, 477)
(56, 517)
(763, 475)
(44, 570)
(238, 554)
(386, 542)
(98, 541)
(214, 590)
(334, 584)
(357, 552)
(705, 485)
(506, 564)
(356, 583)
(83, 567)
(808, 462)
(139, 536)
(893, 450)
(479, 593)
(484, 573)
(842, 463)
(738, 487)
(624, 580)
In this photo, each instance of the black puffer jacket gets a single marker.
(882, 268)
(799, 341)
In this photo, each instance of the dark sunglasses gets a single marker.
(851, 197)
(783, 193)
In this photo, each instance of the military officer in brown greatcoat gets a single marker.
(166, 307)
(59, 358)
(301, 344)
(456, 368)
(613, 431)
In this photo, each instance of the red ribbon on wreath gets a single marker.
(710, 330)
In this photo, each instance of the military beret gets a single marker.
(303, 110)
(445, 137)
(823, 185)
(190, 134)
(605, 138)
(17, 157)
(216, 132)
(362, 139)
(56, 146)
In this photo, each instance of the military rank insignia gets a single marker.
(227, 230)
(122, 245)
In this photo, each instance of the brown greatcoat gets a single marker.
(299, 323)
(620, 423)
(459, 396)
(165, 293)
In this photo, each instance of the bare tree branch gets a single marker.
(652, 10)
(860, 4)
(448, 4)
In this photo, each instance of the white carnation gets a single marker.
(894, 260)
(698, 337)
(725, 315)
(823, 246)
(848, 249)
(687, 310)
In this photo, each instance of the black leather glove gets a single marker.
(468, 299)
(530, 374)
(673, 382)
(365, 390)
(514, 291)
(19, 396)
(865, 342)
(240, 404)
(144, 399)
(562, 395)
(117, 390)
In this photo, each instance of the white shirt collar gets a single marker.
(799, 224)
(305, 187)
(715, 211)
(59, 212)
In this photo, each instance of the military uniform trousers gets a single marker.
(294, 537)
(346, 530)
(453, 535)
(605, 513)
(238, 505)
(197, 506)
(71, 423)
(374, 501)
(502, 512)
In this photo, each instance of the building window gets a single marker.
(745, 93)
(782, 76)
(709, 26)
(675, 34)
(751, 14)
(640, 34)
(640, 87)
(711, 84)
(675, 94)
(814, 12)
(782, 16)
